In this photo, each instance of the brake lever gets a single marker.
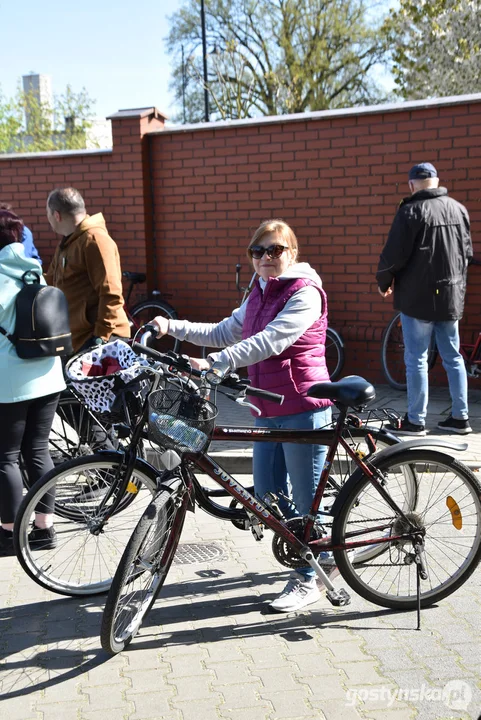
(242, 401)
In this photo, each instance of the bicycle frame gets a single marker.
(331, 438)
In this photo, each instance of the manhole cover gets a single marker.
(199, 553)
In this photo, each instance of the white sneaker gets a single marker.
(298, 593)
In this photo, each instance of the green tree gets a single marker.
(270, 57)
(436, 47)
(10, 123)
(28, 125)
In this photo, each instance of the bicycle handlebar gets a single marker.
(181, 363)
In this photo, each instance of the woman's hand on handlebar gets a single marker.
(200, 363)
(161, 324)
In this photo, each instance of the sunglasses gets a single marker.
(273, 251)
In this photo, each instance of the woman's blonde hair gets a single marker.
(280, 228)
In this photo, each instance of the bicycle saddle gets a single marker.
(134, 277)
(351, 391)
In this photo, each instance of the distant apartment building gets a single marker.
(38, 88)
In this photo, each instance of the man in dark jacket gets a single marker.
(425, 261)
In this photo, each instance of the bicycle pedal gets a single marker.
(257, 531)
(353, 421)
(338, 598)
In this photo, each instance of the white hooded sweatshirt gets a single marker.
(298, 314)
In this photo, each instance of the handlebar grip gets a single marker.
(150, 352)
(178, 362)
(265, 395)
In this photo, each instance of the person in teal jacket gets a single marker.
(29, 393)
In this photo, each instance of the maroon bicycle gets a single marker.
(390, 530)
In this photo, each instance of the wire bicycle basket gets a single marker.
(180, 420)
(111, 380)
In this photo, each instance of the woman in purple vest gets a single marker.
(280, 335)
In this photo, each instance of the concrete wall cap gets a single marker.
(325, 114)
(54, 154)
(138, 113)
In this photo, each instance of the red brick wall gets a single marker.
(183, 204)
(111, 182)
(336, 180)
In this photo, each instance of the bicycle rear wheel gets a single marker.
(334, 353)
(87, 551)
(143, 568)
(447, 513)
(392, 354)
(144, 312)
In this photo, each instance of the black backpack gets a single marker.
(42, 327)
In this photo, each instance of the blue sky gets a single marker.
(113, 49)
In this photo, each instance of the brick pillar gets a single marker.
(130, 188)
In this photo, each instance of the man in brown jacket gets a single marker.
(86, 267)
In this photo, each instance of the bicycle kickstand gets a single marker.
(421, 574)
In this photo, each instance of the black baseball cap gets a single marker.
(422, 171)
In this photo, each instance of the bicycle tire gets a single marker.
(392, 354)
(142, 570)
(453, 547)
(82, 563)
(145, 311)
(334, 353)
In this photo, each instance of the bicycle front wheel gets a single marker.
(143, 568)
(144, 312)
(83, 559)
(447, 514)
(334, 353)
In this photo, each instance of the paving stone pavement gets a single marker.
(210, 649)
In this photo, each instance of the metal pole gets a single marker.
(183, 85)
(204, 52)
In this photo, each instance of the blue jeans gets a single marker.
(293, 469)
(417, 337)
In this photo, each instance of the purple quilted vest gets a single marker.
(294, 371)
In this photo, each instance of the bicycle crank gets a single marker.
(284, 553)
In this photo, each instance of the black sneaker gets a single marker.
(462, 427)
(6, 543)
(42, 538)
(407, 428)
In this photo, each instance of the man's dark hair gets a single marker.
(11, 228)
(66, 201)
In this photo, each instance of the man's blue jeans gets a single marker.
(417, 337)
(293, 469)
